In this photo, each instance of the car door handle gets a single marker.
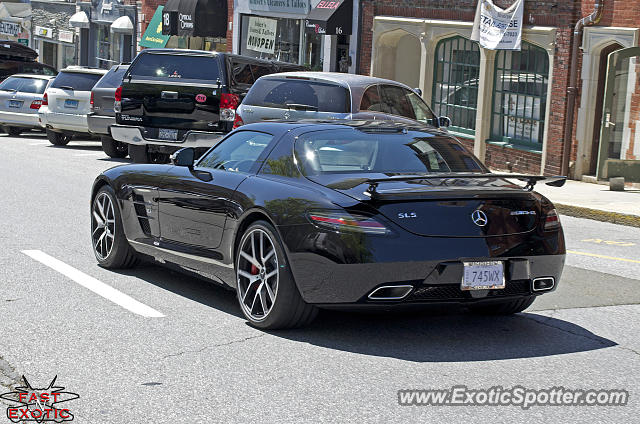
(169, 94)
(203, 175)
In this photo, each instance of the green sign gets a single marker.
(153, 37)
(24, 41)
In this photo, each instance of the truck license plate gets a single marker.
(167, 134)
(483, 275)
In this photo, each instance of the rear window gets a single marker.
(24, 85)
(79, 81)
(355, 151)
(299, 94)
(176, 67)
(113, 78)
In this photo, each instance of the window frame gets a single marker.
(499, 91)
(437, 105)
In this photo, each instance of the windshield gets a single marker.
(79, 81)
(24, 85)
(176, 67)
(356, 151)
(113, 78)
(299, 94)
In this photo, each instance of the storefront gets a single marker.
(51, 36)
(305, 32)
(107, 31)
(195, 24)
(15, 22)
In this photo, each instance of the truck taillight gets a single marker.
(36, 104)
(228, 104)
(237, 121)
(91, 101)
(45, 100)
(117, 104)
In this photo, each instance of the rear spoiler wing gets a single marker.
(531, 180)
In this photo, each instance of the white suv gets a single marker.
(67, 102)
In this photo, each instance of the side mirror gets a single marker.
(418, 91)
(184, 157)
(444, 121)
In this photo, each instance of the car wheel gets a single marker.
(13, 131)
(110, 246)
(267, 292)
(113, 148)
(58, 139)
(508, 307)
(138, 154)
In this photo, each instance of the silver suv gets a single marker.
(332, 95)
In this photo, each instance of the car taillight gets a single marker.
(551, 220)
(342, 221)
(228, 104)
(117, 104)
(91, 101)
(237, 121)
(36, 104)
(45, 100)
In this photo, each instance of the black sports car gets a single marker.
(297, 216)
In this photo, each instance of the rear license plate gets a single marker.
(483, 275)
(15, 103)
(167, 134)
(71, 104)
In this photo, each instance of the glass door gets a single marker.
(619, 150)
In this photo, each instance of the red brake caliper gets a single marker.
(254, 270)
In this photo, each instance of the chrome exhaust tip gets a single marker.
(544, 284)
(390, 292)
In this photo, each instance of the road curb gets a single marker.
(599, 215)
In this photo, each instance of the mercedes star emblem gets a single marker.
(479, 218)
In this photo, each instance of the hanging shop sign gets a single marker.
(195, 18)
(261, 34)
(331, 17)
(65, 36)
(44, 32)
(298, 7)
(496, 28)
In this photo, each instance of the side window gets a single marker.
(422, 112)
(396, 102)
(242, 73)
(371, 100)
(237, 153)
(261, 70)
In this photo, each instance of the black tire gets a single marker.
(58, 139)
(121, 254)
(13, 131)
(113, 148)
(288, 310)
(507, 307)
(138, 154)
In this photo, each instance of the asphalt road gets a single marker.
(200, 362)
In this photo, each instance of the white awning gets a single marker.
(79, 20)
(122, 25)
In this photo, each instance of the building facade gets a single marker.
(15, 22)
(52, 37)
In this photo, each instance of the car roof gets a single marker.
(307, 125)
(35, 76)
(345, 80)
(84, 70)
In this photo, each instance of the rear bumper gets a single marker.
(23, 120)
(133, 135)
(63, 121)
(334, 269)
(99, 124)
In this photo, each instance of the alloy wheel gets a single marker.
(257, 274)
(103, 225)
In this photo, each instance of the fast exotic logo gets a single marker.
(39, 405)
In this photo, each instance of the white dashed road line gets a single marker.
(94, 285)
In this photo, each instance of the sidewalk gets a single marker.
(595, 201)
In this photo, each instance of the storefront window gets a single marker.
(103, 47)
(271, 38)
(455, 87)
(520, 96)
(68, 55)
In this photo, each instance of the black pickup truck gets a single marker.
(172, 98)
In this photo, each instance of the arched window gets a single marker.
(520, 96)
(455, 82)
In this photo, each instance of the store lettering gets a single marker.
(185, 21)
(328, 5)
(280, 4)
(260, 43)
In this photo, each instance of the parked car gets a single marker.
(174, 98)
(67, 102)
(332, 95)
(347, 213)
(102, 115)
(16, 58)
(20, 99)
